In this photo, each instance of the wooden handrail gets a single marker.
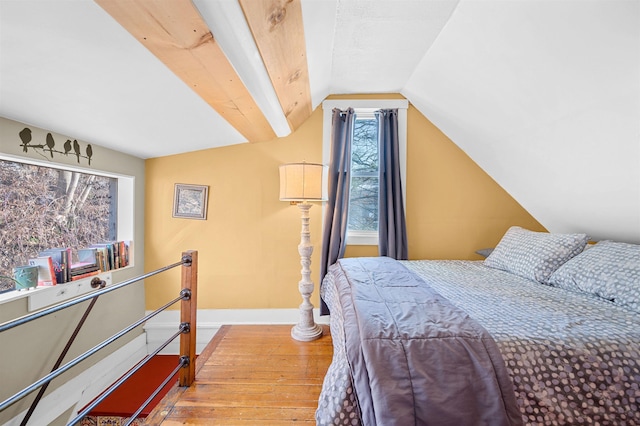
(188, 310)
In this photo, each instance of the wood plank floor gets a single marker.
(250, 375)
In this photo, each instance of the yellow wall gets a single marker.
(248, 244)
(453, 207)
(247, 247)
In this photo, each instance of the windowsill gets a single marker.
(362, 238)
(41, 297)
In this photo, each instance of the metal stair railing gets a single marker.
(186, 331)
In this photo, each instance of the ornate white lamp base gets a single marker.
(306, 329)
(306, 335)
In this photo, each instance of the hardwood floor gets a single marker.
(251, 375)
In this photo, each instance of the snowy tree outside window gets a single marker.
(44, 207)
(364, 188)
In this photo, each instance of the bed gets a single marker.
(544, 331)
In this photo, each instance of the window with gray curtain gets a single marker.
(364, 185)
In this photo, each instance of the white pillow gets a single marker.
(534, 255)
(610, 270)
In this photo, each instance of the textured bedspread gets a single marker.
(572, 358)
(396, 331)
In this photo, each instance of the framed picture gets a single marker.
(190, 201)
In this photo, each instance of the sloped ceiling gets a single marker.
(129, 74)
(544, 95)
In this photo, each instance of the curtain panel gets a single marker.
(334, 237)
(392, 228)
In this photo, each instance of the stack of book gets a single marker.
(86, 264)
(112, 254)
(58, 265)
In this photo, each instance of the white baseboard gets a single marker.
(164, 325)
(83, 388)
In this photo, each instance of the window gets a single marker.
(362, 227)
(364, 187)
(45, 207)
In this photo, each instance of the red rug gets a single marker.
(125, 400)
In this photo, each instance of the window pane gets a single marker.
(45, 208)
(363, 204)
(363, 197)
(364, 149)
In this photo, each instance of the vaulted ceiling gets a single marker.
(544, 95)
(159, 77)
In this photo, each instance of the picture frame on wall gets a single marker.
(190, 201)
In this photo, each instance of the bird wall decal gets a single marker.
(50, 143)
(76, 149)
(26, 137)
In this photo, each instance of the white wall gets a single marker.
(545, 97)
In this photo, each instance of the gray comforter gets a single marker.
(572, 358)
(414, 357)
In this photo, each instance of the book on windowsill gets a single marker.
(84, 270)
(46, 272)
(60, 259)
(85, 262)
(112, 254)
(107, 256)
(85, 275)
(86, 255)
(102, 257)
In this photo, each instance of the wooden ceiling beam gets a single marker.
(278, 31)
(175, 33)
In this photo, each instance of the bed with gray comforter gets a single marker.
(461, 343)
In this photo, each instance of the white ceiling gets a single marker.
(69, 67)
(544, 95)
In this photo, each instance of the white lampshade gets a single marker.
(301, 181)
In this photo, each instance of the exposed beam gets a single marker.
(175, 33)
(278, 30)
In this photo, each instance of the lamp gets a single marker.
(299, 184)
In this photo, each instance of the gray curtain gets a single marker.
(392, 228)
(334, 237)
